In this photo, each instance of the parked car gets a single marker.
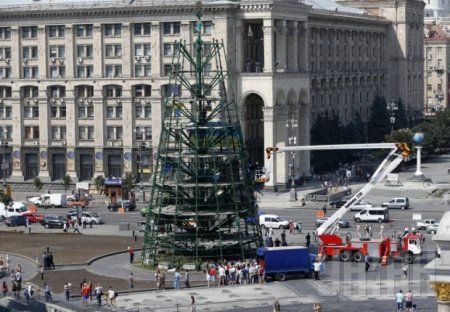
(128, 205)
(252, 219)
(86, 216)
(342, 223)
(360, 206)
(432, 229)
(52, 221)
(273, 221)
(423, 224)
(338, 203)
(16, 221)
(32, 217)
(398, 202)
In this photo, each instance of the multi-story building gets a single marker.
(437, 61)
(82, 82)
(436, 9)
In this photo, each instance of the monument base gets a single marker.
(419, 178)
(443, 306)
(293, 195)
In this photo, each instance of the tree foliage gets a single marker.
(401, 120)
(379, 122)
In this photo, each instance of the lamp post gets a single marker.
(140, 167)
(392, 107)
(418, 176)
(4, 164)
(291, 125)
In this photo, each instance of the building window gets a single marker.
(206, 27)
(142, 91)
(439, 87)
(31, 132)
(57, 91)
(142, 70)
(114, 111)
(113, 50)
(113, 91)
(5, 33)
(113, 71)
(6, 132)
(30, 92)
(57, 71)
(83, 30)
(114, 133)
(86, 71)
(31, 112)
(168, 69)
(84, 91)
(142, 29)
(439, 63)
(57, 51)
(58, 112)
(85, 51)
(143, 112)
(207, 69)
(113, 30)
(30, 52)
(172, 28)
(29, 32)
(5, 53)
(429, 87)
(58, 133)
(86, 133)
(30, 72)
(5, 92)
(170, 49)
(142, 49)
(5, 112)
(143, 133)
(56, 31)
(85, 111)
(5, 72)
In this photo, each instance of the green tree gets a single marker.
(38, 183)
(401, 136)
(128, 183)
(401, 120)
(437, 132)
(5, 198)
(355, 131)
(66, 181)
(99, 182)
(379, 123)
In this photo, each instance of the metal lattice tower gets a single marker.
(202, 192)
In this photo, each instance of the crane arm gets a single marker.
(392, 160)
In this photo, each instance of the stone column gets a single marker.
(42, 53)
(238, 46)
(71, 168)
(292, 46)
(99, 168)
(269, 141)
(17, 137)
(155, 41)
(127, 158)
(281, 30)
(127, 51)
(69, 51)
(98, 50)
(303, 33)
(15, 57)
(268, 45)
(304, 126)
(44, 174)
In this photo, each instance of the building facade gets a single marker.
(81, 86)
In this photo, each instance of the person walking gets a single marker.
(176, 280)
(192, 306)
(367, 262)
(308, 240)
(67, 288)
(382, 231)
(276, 306)
(317, 266)
(76, 229)
(85, 294)
(408, 301)
(47, 293)
(324, 209)
(131, 282)
(186, 279)
(99, 294)
(405, 271)
(131, 253)
(399, 298)
(358, 230)
(111, 296)
(4, 289)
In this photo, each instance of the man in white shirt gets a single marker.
(317, 266)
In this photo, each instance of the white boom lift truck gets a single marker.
(357, 249)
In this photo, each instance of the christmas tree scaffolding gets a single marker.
(202, 205)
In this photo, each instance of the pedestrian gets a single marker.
(27, 222)
(50, 260)
(299, 227)
(317, 307)
(277, 242)
(192, 306)
(4, 288)
(76, 229)
(370, 231)
(317, 266)
(276, 306)
(99, 294)
(366, 230)
(324, 209)
(47, 293)
(399, 298)
(308, 240)
(131, 282)
(85, 293)
(42, 272)
(314, 234)
(112, 296)
(414, 308)
(367, 262)
(358, 230)
(348, 237)
(408, 300)
(406, 231)
(292, 227)
(283, 238)
(405, 270)
(271, 233)
(67, 288)
(382, 231)
(186, 279)
(131, 253)
(176, 280)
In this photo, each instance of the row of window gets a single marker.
(84, 133)
(109, 30)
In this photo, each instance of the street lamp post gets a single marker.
(291, 125)
(392, 107)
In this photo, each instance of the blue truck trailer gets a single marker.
(281, 261)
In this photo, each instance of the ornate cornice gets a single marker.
(442, 290)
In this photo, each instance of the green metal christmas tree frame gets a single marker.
(202, 204)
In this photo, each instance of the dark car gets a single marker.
(53, 222)
(341, 223)
(128, 205)
(16, 221)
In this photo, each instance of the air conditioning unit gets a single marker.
(80, 101)
(53, 100)
(7, 61)
(63, 143)
(119, 143)
(147, 58)
(118, 101)
(35, 101)
(61, 61)
(147, 101)
(89, 101)
(60, 76)
(80, 60)
(137, 58)
(119, 54)
(109, 143)
(62, 100)
(25, 61)
(119, 75)
(53, 60)
(137, 102)
(1, 57)
(36, 143)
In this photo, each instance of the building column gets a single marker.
(99, 167)
(292, 46)
(303, 33)
(71, 164)
(69, 51)
(304, 128)
(238, 46)
(268, 45)
(44, 174)
(269, 141)
(98, 50)
(155, 41)
(15, 57)
(281, 30)
(127, 158)
(127, 50)
(42, 52)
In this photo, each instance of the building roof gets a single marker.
(333, 6)
(436, 33)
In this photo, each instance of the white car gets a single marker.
(423, 224)
(273, 221)
(360, 206)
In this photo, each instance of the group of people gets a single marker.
(232, 273)
(88, 292)
(269, 240)
(405, 300)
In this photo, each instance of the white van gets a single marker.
(374, 214)
(13, 209)
(273, 221)
(49, 200)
